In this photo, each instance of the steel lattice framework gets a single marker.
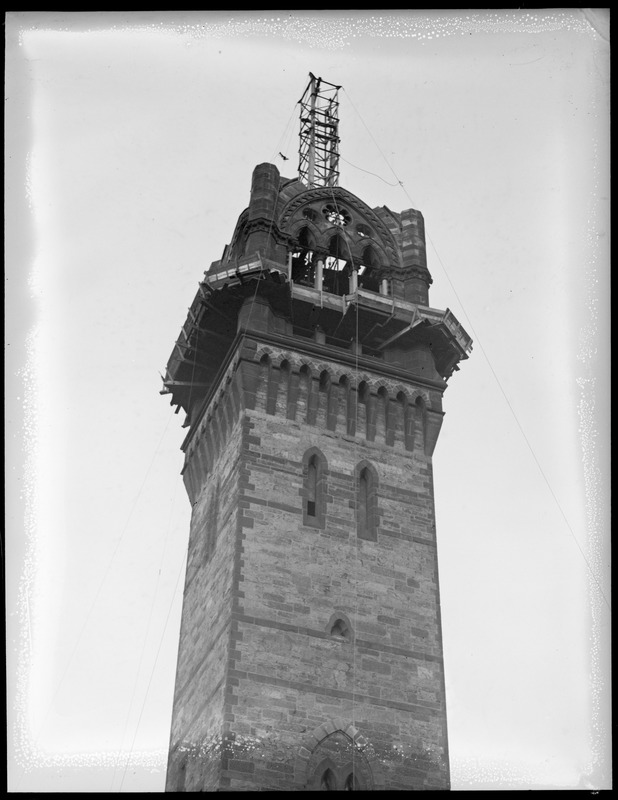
(318, 157)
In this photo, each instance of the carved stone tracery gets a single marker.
(288, 216)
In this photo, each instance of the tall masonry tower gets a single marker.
(311, 369)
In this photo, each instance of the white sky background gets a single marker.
(130, 142)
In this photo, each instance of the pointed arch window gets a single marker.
(303, 267)
(283, 397)
(364, 483)
(347, 405)
(265, 379)
(366, 502)
(368, 270)
(303, 397)
(314, 488)
(328, 782)
(325, 400)
(382, 415)
(337, 267)
(364, 409)
(406, 420)
(325, 381)
(340, 627)
(331, 775)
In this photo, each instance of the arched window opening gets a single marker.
(283, 396)
(265, 377)
(340, 628)
(324, 399)
(304, 392)
(363, 502)
(337, 763)
(382, 420)
(305, 239)
(368, 270)
(337, 248)
(366, 504)
(314, 488)
(405, 427)
(328, 782)
(419, 407)
(347, 405)
(324, 381)
(337, 267)
(369, 258)
(303, 267)
(363, 408)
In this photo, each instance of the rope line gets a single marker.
(95, 600)
(523, 433)
(374, 141)
(156, 660)
(346, 239)
(145, 639)
(398, 183)
(285, 137)
(493, 372)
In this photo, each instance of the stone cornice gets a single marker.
(263, 224)
(346, 358)
(415, 271)
(309, 348)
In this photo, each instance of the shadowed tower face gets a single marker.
(311, 369)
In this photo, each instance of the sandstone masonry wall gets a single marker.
(201, 682)
(303, 641)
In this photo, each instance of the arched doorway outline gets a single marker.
(321, 732)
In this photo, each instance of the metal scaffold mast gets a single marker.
(318, 157)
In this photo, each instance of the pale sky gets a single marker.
(131, 138)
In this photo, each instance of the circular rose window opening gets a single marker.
(336, 215)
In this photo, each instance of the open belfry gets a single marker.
(311, 369)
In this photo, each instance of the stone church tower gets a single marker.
(311, 368)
